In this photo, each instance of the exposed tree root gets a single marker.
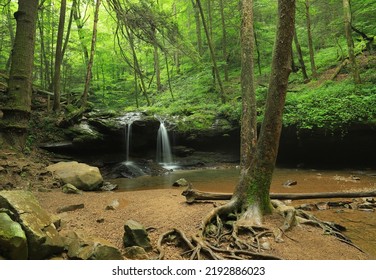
(227, 234)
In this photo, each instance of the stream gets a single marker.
(361, 225)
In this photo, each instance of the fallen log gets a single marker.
(338, 69)
(192, 195)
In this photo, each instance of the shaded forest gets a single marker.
(166, 57)
(250, 68)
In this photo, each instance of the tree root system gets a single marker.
(228, 233)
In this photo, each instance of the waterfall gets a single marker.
(128, 139)
(164, 155)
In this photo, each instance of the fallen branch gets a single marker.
(339, 68)
(192, 195)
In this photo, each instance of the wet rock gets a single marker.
(13, 242)
(42, 237)
(181, 183)
(70, 189)
(68, 208)
(135, 235)
(135, 253)
(82, 248)
(82, 176)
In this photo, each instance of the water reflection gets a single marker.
(361, 225)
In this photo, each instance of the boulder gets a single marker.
(82, 176)
(13, 242)
(135, 235)
(82, 248)
(42, 237)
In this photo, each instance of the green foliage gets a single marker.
(196, 104)
(332, 106)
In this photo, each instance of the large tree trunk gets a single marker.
(59, 57)
(249, 116)
(350, 42)
(254, 186)
(17, 104)
(91, 58)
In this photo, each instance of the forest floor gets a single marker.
(158, 210)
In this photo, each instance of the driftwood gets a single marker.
(192, 195)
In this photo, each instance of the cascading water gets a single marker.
(164, 155)
(128, 139)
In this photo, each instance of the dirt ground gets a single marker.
(163, 210)
(159, 210)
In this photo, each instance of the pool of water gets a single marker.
(361, 226)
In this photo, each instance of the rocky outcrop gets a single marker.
(43, 239)
(80, 175)
(29, 232)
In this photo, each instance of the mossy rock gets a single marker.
(13, 241)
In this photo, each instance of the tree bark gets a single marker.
(59, 57)
(212, 53)
(192, 195)
(310, 43)
(80, 24)
(157, 68)
(300, 56)
(224, 40)
(17, 104)
(137, 65)
(198, 27)
(252, 191)
(11, 34)
(248, 132)
(350, 42)
(91, 58)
